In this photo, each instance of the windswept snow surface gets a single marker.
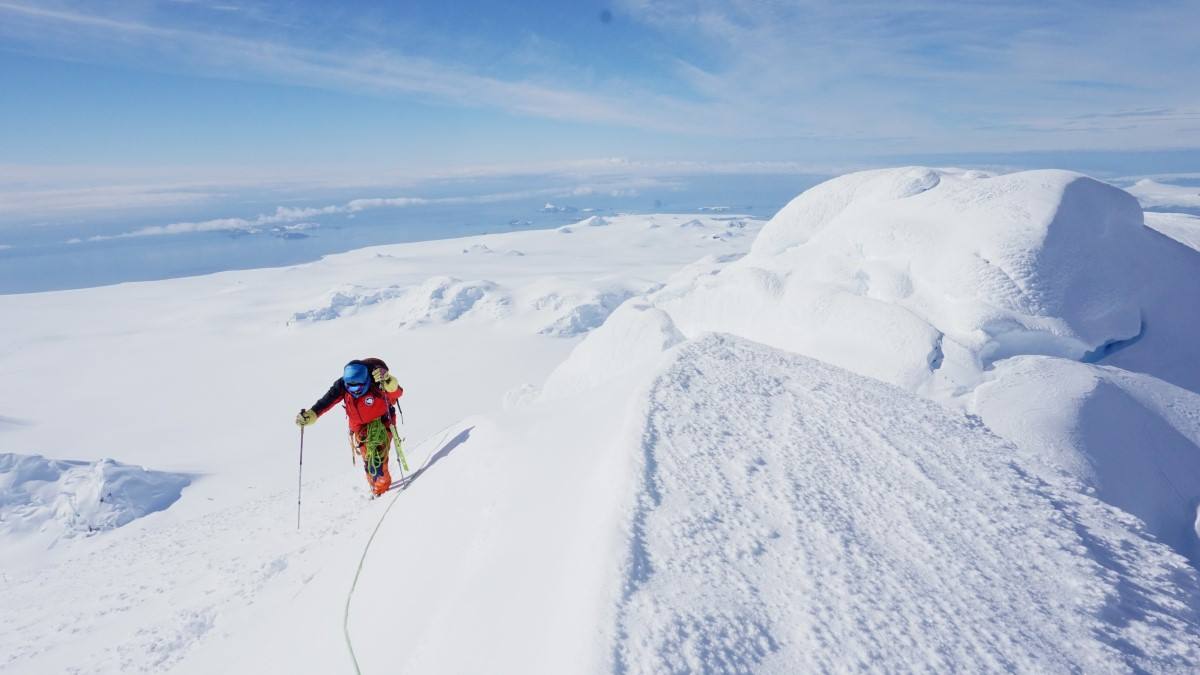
(745, 509)
(792, 517)
(1132, 439)
(605, 485)
(934, 279)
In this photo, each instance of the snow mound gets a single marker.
(1130, 439)
(914, 275)
(585, 316)
(60, 498)
(346, 300)
(444, 299)
(439, 299)
(794, 517)
(573, 308)
(593, 221)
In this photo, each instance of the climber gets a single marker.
(367, 391)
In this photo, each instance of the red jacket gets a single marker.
(372, 405)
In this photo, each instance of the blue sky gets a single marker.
(148, 103)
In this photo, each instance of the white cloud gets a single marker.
(374, 203)
(372, 70)
(813, 75)
(281, 215)
(929, 76)
(36, 192)
(613, 177)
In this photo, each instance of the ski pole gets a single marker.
(299, 478)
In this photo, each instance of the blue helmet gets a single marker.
(356, 378)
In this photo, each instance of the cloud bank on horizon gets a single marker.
(306, 88)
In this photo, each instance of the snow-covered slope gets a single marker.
(926, 277)
(604, 485)
(1131, 439)
(793, 517)
(936, 279)
(1182, 227)
(201, 377)
(747, 509)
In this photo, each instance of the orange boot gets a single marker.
(383, 481)
(379, 477)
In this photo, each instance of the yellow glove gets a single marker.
(386, 380)
(306, 417)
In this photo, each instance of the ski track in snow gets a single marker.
(794, 517)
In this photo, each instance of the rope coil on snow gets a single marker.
(445, 431)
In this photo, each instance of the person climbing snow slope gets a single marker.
(367, 391)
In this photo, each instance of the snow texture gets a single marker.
(793, 517)
(1182, 227)
(1130, 439)
(927, 420)
(444, 299)
(49, 499)
(347, 300)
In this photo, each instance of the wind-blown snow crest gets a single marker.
(935, 279)
(439, 299)
(347, 300)
(794, 517)
(559, 307)
(925, 277)
(575, 309)
(445, 299)
(51, 498)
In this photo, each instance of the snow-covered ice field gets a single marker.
(921, 420)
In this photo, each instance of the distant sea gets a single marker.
(38, 257)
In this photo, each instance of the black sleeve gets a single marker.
(331, 397)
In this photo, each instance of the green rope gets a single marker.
(367, 548)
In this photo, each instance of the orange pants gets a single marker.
(373, 448)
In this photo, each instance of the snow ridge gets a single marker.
(794, 517)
